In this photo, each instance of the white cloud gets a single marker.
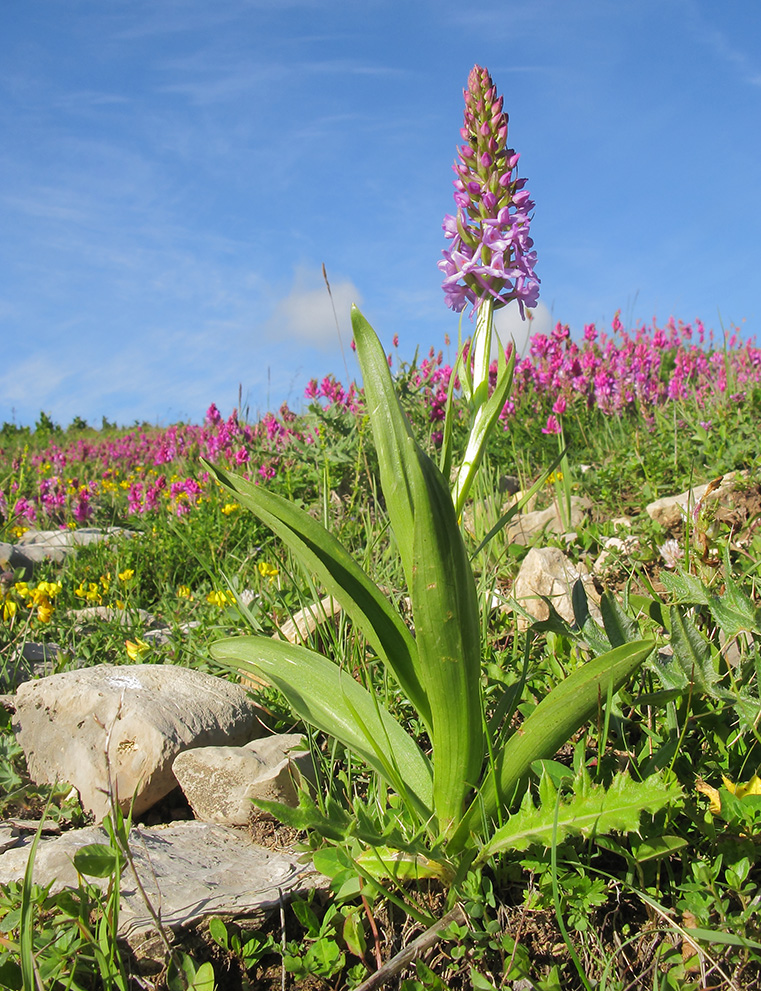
(306, 313)
(510, 326)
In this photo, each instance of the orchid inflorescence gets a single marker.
(491, 256)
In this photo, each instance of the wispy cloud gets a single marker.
(717, 40)
(306, 315)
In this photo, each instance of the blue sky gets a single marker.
(174, 173)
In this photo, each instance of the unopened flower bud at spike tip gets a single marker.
(490, 255)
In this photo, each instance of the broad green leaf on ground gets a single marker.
(327, 697)
(325, 557)
(97, 860)
(576, 700)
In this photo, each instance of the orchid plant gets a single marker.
(460, 791)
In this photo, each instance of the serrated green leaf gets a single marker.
(619, 627)
(686, 588)
(734, 612)
(691, 652)
(598, 810)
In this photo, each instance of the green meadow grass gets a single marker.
(672, 904)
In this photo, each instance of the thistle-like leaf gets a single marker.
(592, 809)
(692, 653)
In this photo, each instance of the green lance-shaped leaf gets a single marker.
(321, 554)
(393, 437)
(439, 579)
(447, 626)
(593, 809)
(332, 701)
(554, 721)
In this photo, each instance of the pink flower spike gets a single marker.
(552, 427)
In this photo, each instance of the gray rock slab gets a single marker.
(189, 870)
(142, 714)
(220, 782)
(32, 660)
(36, 547)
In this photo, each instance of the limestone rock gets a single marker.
(613, 550)
(527, 527)
(546, 571)
(189, 870)
(31, 660)
(145, 713)
(37, 546)
(219, 782)
(110, 614)
(671, 511)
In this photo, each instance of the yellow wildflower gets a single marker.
(18, 531)
(752, 787)
(9, 608)
(739, 790)
(45, 610)
(184, 592)
(230, 507)
(105, 581)
(136, 651)
(712, 794)
(50, 589)
(221, 599)
(124, 576)
(267, 570)
(91, 593)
